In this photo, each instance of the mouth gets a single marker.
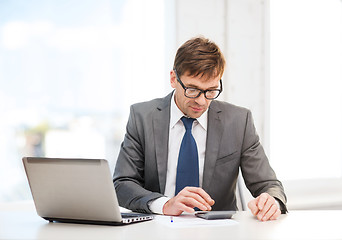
(196, 109)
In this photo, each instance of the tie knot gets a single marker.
(187, 122)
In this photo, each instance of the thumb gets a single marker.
(253, 206)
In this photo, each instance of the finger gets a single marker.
(202, 193)
(192, 199)
(276, 215)
(185, 208)
(199, 202)
(173, 207)
(180, 204)
(252, 205)
(271, 211)
(193, 203)
(270, 201)
(262, 200)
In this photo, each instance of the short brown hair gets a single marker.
(199, 56)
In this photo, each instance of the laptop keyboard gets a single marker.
(132, 215)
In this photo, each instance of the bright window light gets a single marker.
(69, 70)
(306, 88)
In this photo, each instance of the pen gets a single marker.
(171, 219)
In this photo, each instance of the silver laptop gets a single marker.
(76, 191)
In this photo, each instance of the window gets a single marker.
(306, 88)
(68, 72)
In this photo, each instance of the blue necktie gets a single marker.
(187, 168)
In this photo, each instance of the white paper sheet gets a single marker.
(186, 221)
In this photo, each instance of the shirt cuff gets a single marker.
(281, 206)
(156, 206)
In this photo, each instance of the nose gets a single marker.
(201, 100)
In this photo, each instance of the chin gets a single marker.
(195, 114)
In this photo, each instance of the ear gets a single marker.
(173, 79)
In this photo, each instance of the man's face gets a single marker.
(193, 107)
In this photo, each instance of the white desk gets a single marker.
(23, 223)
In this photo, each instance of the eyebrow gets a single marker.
(194, 86)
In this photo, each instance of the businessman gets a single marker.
(184, 151)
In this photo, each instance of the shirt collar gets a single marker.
(176, 114)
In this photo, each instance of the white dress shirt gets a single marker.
(176, 133)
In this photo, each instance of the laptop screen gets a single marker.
(72, 189)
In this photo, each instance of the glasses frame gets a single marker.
(200, 90)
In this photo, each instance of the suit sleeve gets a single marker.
(129, 171)
(256, 170)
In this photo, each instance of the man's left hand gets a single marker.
(264, 207)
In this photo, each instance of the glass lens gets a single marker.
(212, 94)
(192, 92)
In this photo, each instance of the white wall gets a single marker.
(238, 27)
(241, 29)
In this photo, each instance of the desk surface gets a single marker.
(23, 223)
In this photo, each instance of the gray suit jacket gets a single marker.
(232, 142)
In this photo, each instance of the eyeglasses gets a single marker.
(190, 92)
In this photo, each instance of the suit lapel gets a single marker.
(214, 135)
(161, 125)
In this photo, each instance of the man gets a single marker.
(184, 151)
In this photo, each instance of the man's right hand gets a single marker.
(186, 200)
